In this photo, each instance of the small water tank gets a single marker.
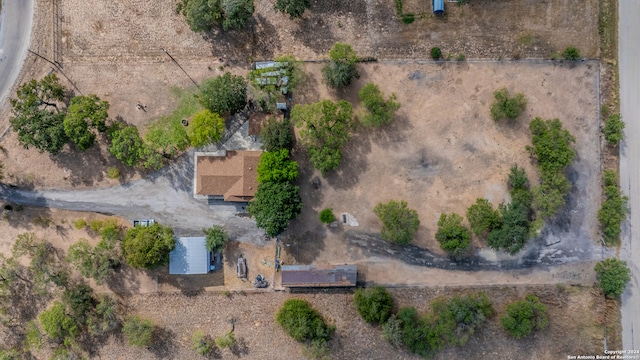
(438, 6)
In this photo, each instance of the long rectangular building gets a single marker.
(313, 276)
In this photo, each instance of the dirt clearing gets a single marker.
(444, 151)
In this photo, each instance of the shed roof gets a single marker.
(190, 256)
(319, 275)
(233, 175)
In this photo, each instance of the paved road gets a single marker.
(15, 34)
(629, 53)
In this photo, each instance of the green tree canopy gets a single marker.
(216, 238)
(201, 343)
(342, 68)
(138, 331)
(399, 223)
(613, 209)
(549, 196)
(614, 129)
(148, 246)
(513, 234)
(58, 324)
(203, 15)
(127, 145)
(325, 129)
(85, 112)
(79, 300)
(294, 8)
(275, 166)
(523, 316)
(277, 135)
(205, 128)
(507, 107)
(97, 263)
(379, 112)
(37, 119)
(374, 304)
(483, 217)
(452, 236)
(613, 275)
(551, 144)
(274, 205)
(106, 318)
(236, 13)
(302, 322)
(226, 94)
(339, 74)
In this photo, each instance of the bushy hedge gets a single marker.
(302, 322)
(374, 304)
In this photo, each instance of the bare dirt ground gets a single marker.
(576, 315)
(444, 151)
(113, 49)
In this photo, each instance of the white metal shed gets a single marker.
(190, 256)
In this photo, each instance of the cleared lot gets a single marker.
(444, 151)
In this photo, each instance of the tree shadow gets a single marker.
(89, 166)
(305, 246)
(164, 344)
(315, 30)
(240, 348)
(124, 281)
(259, 40)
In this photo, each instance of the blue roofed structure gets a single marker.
(190, 256)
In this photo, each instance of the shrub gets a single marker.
(613, 129)
(58, 324)
(482, 217)
(205, 128)
(613, 275)
(113, 172)
(138, 331)
(436, 53)
(507, 107)
(399, 223)
(378, 111)
(302, 322)
(277, 135)
(551, 144)
(342, 68)
(613, 210)
(216, 238)
(523, 316)
(96, 225)
(201, 343)
(452, 236)
(226, 94)
(408, 18)
(80, 224)
(226, 341)
(374, 304)
(275, 166)
(571, 53)
(392, 330)
(148, 247)
(326, 216)
(460, 57)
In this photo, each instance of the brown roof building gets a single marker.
(228, 174)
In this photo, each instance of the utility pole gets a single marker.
(175, 62)
(57, 66)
